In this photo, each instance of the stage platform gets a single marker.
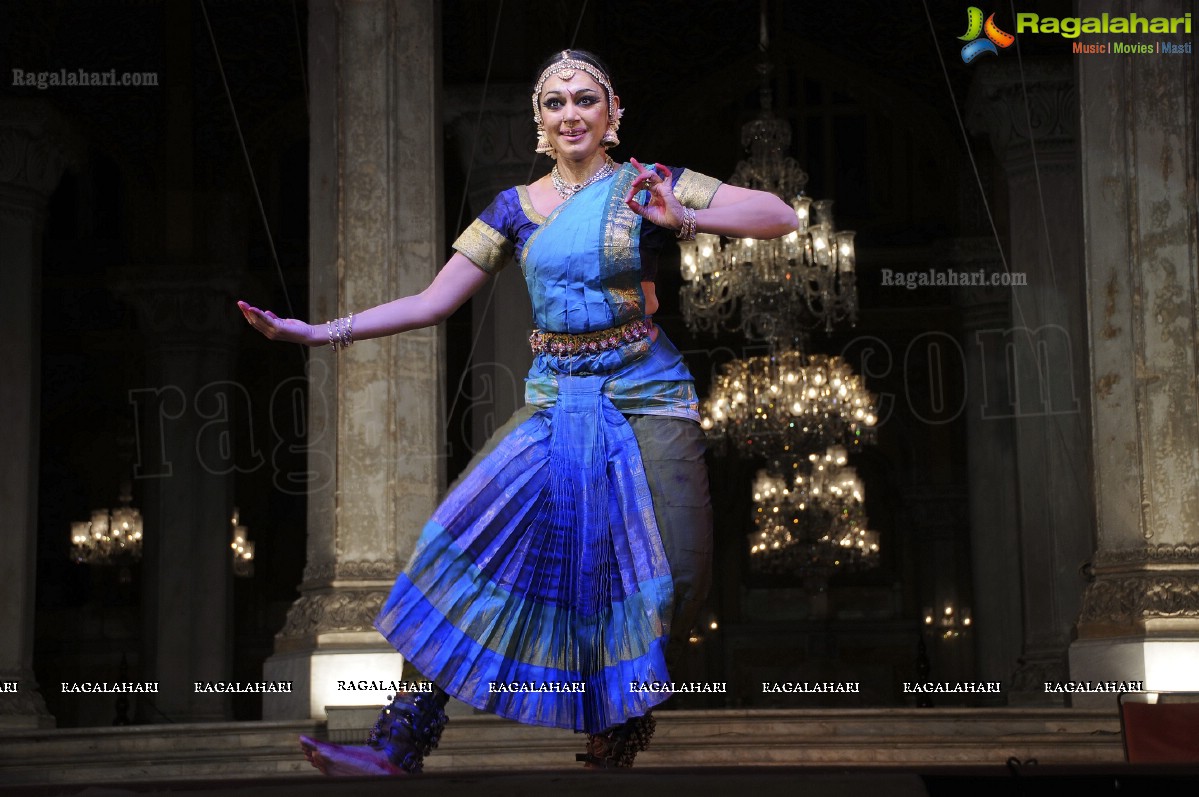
(787, 781)
(873, 752)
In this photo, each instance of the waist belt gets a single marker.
(562, 344)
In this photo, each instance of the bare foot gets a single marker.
(345, 760)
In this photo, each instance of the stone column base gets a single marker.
(329, 677)
(21, 705)
(1160, 664)
(1036, 666)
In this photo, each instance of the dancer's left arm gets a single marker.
(745, 213)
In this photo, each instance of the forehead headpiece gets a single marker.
(566, 67)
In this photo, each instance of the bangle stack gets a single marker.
(341, 332)
(687, 230)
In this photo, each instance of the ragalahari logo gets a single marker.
(975, 27)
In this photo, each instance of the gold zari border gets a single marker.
(484, 246)
(695, 190)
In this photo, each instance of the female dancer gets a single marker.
(563, 571)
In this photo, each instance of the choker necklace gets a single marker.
(567, 190)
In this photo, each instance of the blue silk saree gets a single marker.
(539, 590)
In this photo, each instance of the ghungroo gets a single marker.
(409, 728)
(617, 747)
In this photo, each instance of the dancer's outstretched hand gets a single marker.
(291, 330)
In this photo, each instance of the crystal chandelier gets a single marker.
(109, 536)
(809, 517)
(782, 287)
(787, 403)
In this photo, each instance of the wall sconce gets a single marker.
(109, 537)
(949, 623)
(243, 548)
(708, 625)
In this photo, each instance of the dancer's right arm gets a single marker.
(454, 284)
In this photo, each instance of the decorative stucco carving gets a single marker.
(344, 610)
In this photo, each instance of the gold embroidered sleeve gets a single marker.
(484, 246)
(695, 190)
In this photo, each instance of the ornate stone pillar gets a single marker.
(35, 146)
(375, 426)
(495, 149)
(1032, 120)
(991, 461)
(1140, 615)
(191, 325)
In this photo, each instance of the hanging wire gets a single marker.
(1088, 488)
(466, 187)
(470, 166)
(982, 193)
(1036, 166)
(474, 144)
(480, 326)
(295, 15)
(1055, 423)
(249, 166)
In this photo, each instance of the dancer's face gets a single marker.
(574, 112)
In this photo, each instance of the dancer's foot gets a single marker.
(619, 746)
(408, 729)
(346, 760)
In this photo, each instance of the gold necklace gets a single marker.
(567, 190)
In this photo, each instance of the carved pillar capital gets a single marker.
(1012, 109)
